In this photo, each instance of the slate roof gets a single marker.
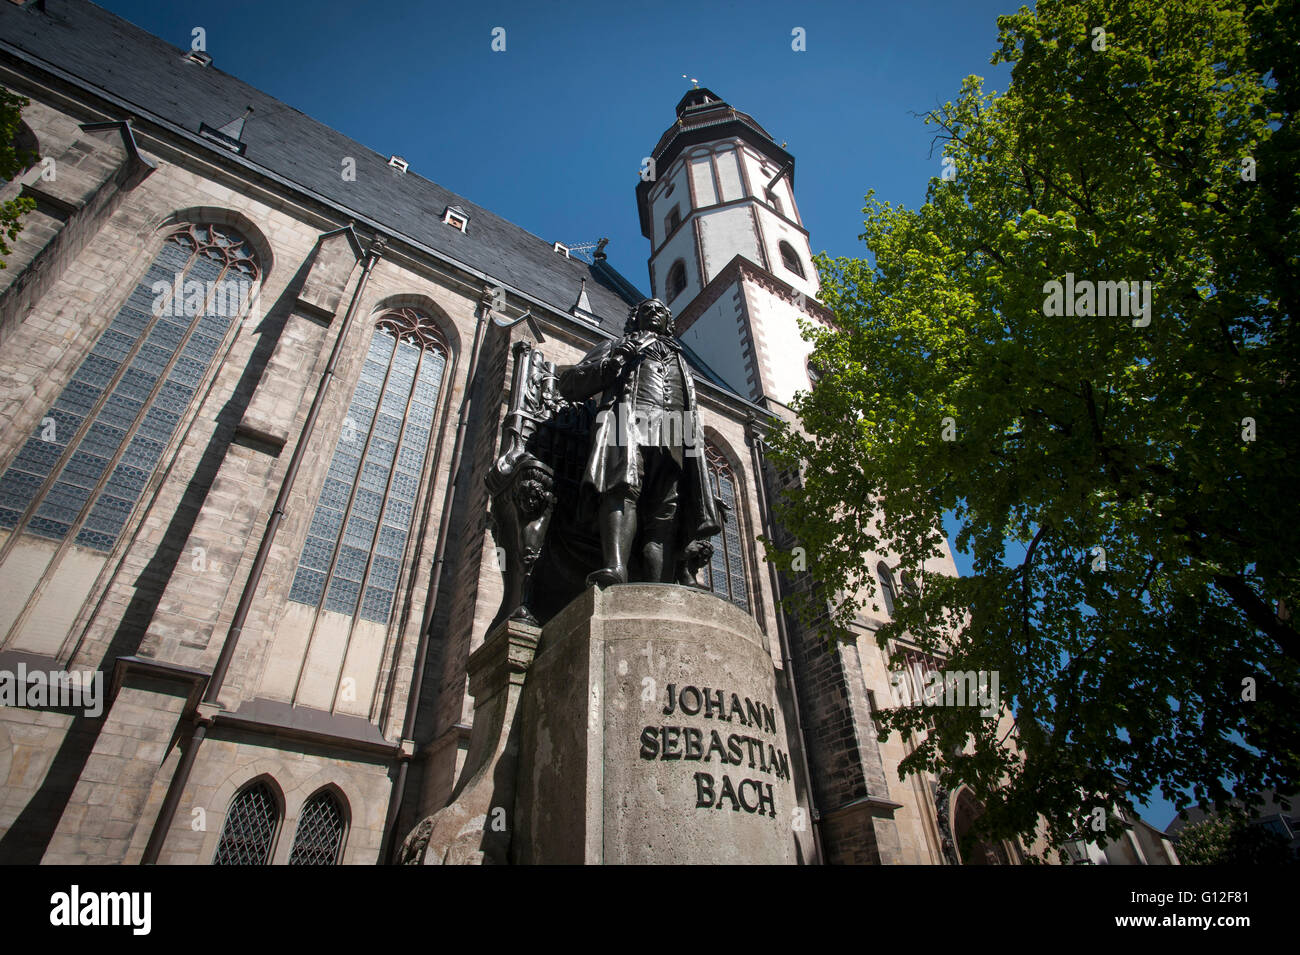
(155, 81)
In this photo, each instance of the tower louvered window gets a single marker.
(84, 468)
(726, 570)
(320, 831)
(251, 823)
(676, 280)
(353, 553)
(790, 259)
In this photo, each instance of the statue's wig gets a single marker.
(630, 325)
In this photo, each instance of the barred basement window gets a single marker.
(84, 468)
(353, 552)
(320, 831)
(726, 570)
(251, 823)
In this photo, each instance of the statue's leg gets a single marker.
(659, 498)
(617, 531)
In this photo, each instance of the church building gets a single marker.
(253, 375)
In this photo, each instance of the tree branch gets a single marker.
(1260, 614)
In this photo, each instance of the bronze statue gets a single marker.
(647, 454)
(602, 477)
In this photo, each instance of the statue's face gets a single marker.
(654, 316)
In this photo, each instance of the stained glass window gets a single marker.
(82, 471)
(726, 569)
(320, 831)
(352, 556)
(250, 827)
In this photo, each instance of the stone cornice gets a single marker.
(741, 268)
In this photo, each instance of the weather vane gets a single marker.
(692, 79)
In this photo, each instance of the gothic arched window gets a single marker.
(676, 280)
(726, 570)
(887, 592)
(353, 552)
(251, 824)
(319, 839)
(86, 464)
(790, 259)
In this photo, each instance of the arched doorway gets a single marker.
(966, 811)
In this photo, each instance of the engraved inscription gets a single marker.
(746, 748)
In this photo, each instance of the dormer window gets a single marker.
(561, 248)
(673, 220)
(398, 163)
(231, 135)
(456, 217)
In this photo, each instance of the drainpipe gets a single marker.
(760, 485)
(435, 585)
(208, 706)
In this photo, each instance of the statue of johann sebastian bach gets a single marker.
(656, 511)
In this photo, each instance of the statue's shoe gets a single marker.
(605, 576)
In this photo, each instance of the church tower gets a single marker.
(728, 249)
(732, 259)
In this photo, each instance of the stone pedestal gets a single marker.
(474, 827)
(650, 732)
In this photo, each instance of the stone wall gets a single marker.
(87, 790)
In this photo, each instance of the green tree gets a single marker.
(1142, 463)
(1229, 839)
(13, 160)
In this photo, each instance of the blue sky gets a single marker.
(550, 132)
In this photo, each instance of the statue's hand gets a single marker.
(699, 552)
(611, 368)
(694, 557)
